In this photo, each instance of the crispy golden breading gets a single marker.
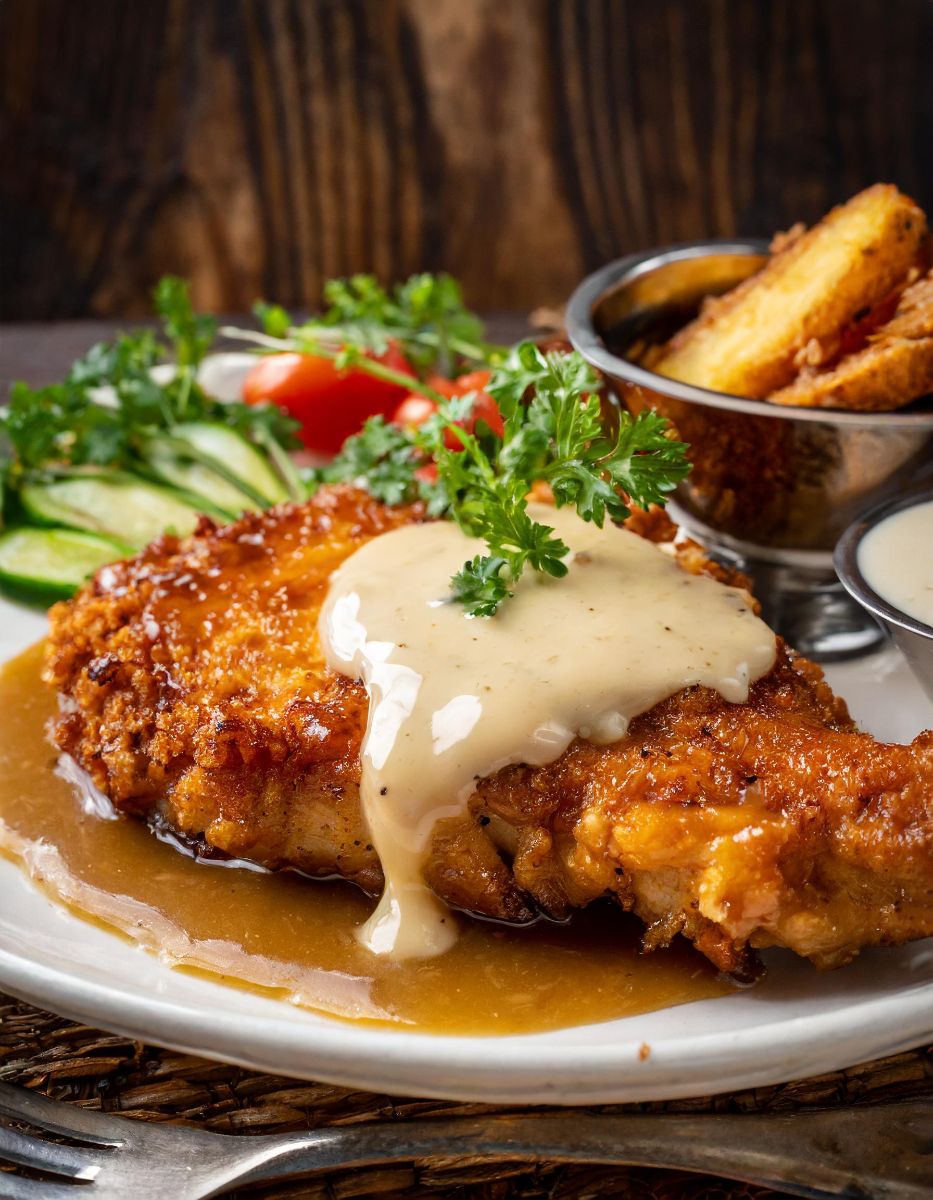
(749, 341)
(895, 367)
(195, 693)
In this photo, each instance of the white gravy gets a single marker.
(454, 698)
(896, 560)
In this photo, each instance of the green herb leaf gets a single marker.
(479, 585)
(275, 320)
(643, 460)
(190, 333)
(425, 317)
(130, 353)
(260, 422)
(441, 329)
(39, 423)
(381, 458)
(554, 433)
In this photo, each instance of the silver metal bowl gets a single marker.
(772, 488)
(914, 637)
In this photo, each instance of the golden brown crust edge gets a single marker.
(748, 341)
(196, 693)
(895, 368)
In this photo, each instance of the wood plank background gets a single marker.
(261, 146)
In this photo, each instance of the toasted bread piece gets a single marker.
(895, 367)
(812, 288)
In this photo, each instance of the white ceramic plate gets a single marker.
(798, 1022)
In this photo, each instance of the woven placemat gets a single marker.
(94, 1069)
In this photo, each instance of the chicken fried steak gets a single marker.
(195, 694)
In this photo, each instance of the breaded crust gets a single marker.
(894, 368)
(195, 694)
(746, 343)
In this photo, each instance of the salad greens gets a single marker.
(129, 445)
(131, 418)
(66, 424)
(424, 316)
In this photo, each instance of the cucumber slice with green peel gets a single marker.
(115, 505)
(284, 467)
(247, 464)
(169, 462)
(43, 565)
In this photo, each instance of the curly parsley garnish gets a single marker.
(424, 317)
(554, 433)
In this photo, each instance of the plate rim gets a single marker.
(510, 1069)
(448, 1066)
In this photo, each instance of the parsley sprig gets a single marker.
(554, 433)
(65, 424)
(424, 317)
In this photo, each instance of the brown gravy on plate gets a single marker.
(286, 936)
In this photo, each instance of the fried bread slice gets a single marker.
(748, 342)
(894, 368)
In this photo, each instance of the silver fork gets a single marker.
(882, 1151)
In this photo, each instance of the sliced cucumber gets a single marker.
(109, 503)
(242, 463)
(170, 462)
(284, 467)
(51, 564)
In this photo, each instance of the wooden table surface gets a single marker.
(97, 1069)
(259, 147)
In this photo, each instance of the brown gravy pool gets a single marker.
(294, 938)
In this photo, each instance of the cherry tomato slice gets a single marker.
(427, 473)
(415, 409)
(330, 405)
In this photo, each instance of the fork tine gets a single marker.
(26, 1151)
(66, 1120)
(12, 1187)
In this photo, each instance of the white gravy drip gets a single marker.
(896, 560)
(454, 699)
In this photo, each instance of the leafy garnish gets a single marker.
(191, 334)
(128, 354)
(75, 424)
(425, 317)
(274, 319)
(382, 458)
(554, 433)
